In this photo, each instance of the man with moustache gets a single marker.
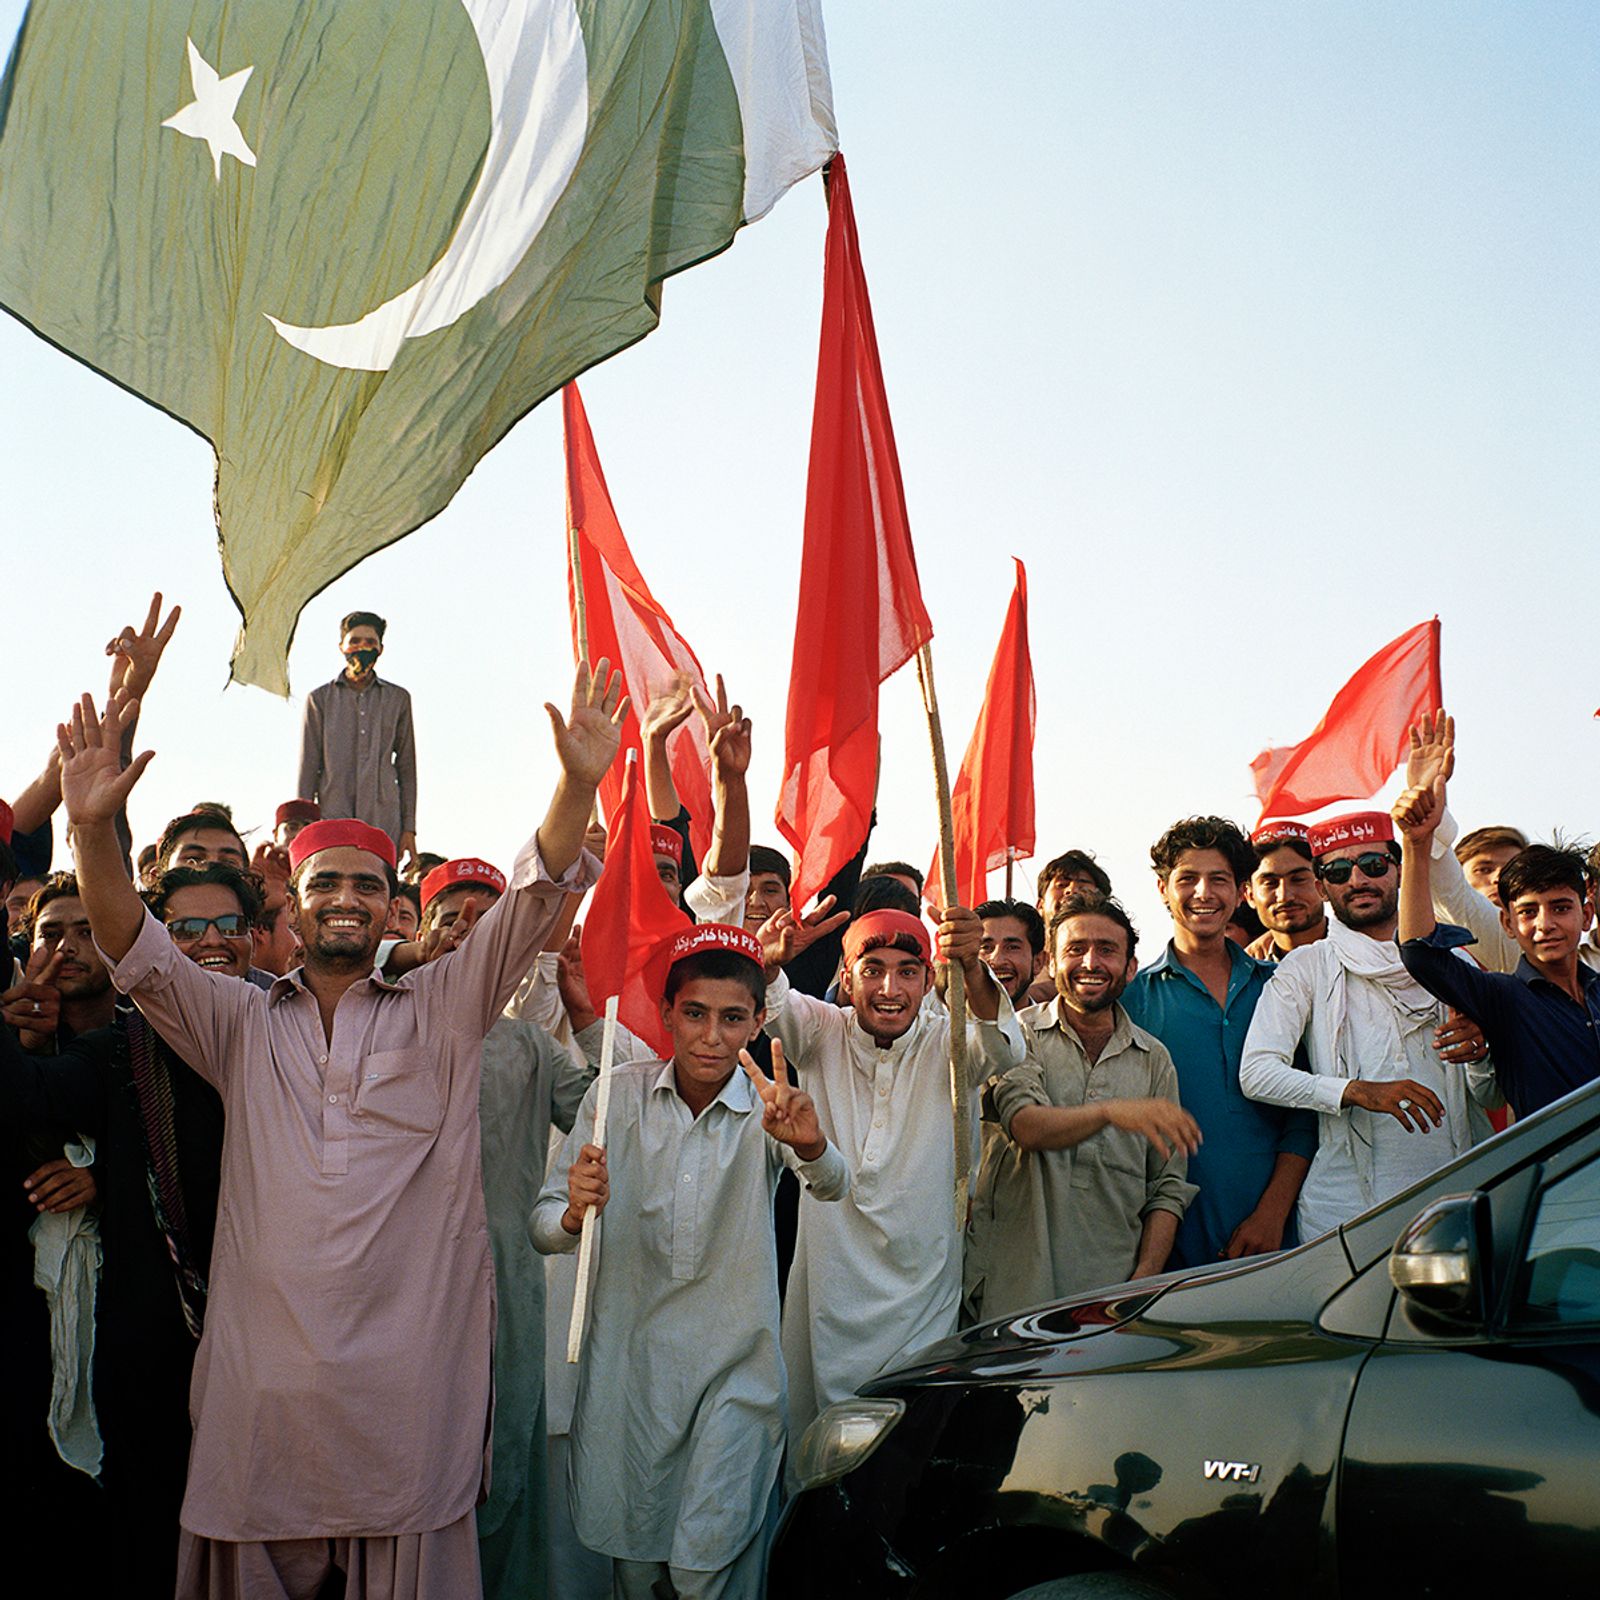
(1389, 1112)
(1088, 1186)
(1013, 946)
(341, 1396)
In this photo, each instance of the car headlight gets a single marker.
(842, 1438)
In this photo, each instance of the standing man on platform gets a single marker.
(358, 757)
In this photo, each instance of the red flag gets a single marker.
(629, 918)
(861, 614)
(1363, 736)
(992, 802)
(627, 626)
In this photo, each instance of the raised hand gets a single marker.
(94, 784)
(1418, 811)
(1432, 753)
(33, 1007)
(270, 861)
(437, 941)
(788, 1114)
(572, 983)
(135, 656)
(784, 935)
(1166, 1125)
(588, 738)
(669, 708)
(960, 935)
(727, 729)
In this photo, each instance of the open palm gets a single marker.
(94, 783)
(588, 738)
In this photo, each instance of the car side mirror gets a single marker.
(1440, 1264)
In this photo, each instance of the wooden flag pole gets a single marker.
(586, 1244)
(955, 993)
(1009, 859)
(580, 605)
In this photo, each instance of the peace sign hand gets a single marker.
(788, 1114)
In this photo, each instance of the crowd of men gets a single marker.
(307, 1145)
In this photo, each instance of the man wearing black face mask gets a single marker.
(357, 754)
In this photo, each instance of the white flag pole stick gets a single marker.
(586, 1243)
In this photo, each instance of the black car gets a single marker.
(1409, 1406)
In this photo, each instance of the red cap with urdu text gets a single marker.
(297, 811)
(885, 926)
(334, 833)
(467, 869)
(1278, 830)
(1359, 827)
(665, 841)
(695, 941)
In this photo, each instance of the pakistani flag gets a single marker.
(353, 241)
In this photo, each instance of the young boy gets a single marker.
(679, 1426)
(1543, 1020)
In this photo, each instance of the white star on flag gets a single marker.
(209, 115)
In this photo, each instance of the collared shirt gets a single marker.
(1049, 1223)
(357, 754)
(679, 1424)
(341, 1388)
(1544, 1043)
(1243, 1137)
(879, 1276)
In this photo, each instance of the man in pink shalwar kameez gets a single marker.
(342, 1388)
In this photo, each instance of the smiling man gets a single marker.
(341, 1396)
(879, 1275)
(1282, 888)
(1013, 945)
(1088, 1186)
(1389, 1111)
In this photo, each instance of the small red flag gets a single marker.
(992, 801)
(628, 627)
(1363, 736)
(861, 615)
(630, 917)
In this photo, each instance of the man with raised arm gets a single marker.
(342, 1388)
(878, 1276)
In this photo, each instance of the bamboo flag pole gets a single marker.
(580, 605)
(586, 1244)
(955, 993)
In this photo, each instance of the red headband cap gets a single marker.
(333, 833)
(1279, 830)
(665, 841)
(885, 926)
(467, 869)
(712, 936)
(1359, 827)
(297, 811)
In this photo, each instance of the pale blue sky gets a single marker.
(1260, 332)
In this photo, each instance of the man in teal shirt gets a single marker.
(1197, 998)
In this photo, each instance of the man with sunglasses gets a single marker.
(158, 1130)
(1389, 1112)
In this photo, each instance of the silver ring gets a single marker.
(36, 1008)
(1405, 1105)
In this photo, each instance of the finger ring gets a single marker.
(36, 1008)
(1405, 1105)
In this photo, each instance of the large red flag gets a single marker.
(627, 625)
(992, 802)
(1363, 736)
(630, 917)
(861, 614)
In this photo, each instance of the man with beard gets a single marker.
(1389, 1112)
(158, 1131)
(1090, 1186)
(1013, 946)
(1283, 890)
(341, 1396)
(878, 1275)
(1197, 997)
(358, 754)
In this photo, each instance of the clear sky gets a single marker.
(1260, 332)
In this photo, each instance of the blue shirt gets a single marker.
(1543, 1042)
(1243, 1138)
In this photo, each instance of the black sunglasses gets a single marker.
(1373, 864)
(231, 925)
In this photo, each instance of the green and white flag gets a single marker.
(351, 242)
